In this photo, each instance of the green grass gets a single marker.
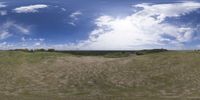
(57, 76)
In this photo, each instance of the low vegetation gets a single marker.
(111, 54)
(60, 76)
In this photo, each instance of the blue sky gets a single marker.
(99, 24)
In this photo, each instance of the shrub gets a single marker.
(40, 50)
(51, 50)
(25, 50)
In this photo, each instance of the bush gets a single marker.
(40, 50)
(51, 50)
(139, 53)
(142, 52)
(25, 50)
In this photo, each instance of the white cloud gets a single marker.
(161, 11)
(74, 15)
(41, 39)
(3, 43)
(4, 34)
(23, 39)
(37, 44)
(5, 46)
(74, 18)
(145, 28)
(3, 12)
(2, 5)
(26, 43)
(30, 8)
(6, 29)
(72, 23)
(22, 29)
(63, 9)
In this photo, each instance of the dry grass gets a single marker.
(41, 75)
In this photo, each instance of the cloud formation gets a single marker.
(146, 28)
(26, 43)
(30, 8)
(7, 28)
(4, 45)
(74, 17)
(75, 14)
(2, 5)
(63, 9)
(3, 12)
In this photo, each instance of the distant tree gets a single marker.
(31, 50)
(41, 50)
(25, 50)
(139, 53)
(51, 50)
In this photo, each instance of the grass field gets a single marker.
(61, 76)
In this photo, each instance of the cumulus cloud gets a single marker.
(8, 28)
(145, 28)
(30, 8)
(161, 11)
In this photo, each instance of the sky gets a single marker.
(100, 24)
